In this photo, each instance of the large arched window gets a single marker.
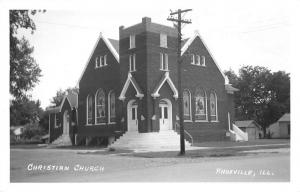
(187, 112)
(89, 110)
(213, 106)
(200, 105)
(112, 107)
(100, 106)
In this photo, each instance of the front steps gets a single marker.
(167, 140)
(63, 140)
(236, 134)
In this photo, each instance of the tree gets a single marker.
(25, 111)
(263, 96)
(60, 94)
(24, 71)
(232, 77)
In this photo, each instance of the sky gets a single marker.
(237, 33)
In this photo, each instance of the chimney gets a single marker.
(121, 27)
(146, 20)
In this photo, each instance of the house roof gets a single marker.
(53, 109)
(285, 117)
(115, 44)
(72, 98)
(16, 127)
(230, 89)
(184, 41)
(246, 123)
(273, 126)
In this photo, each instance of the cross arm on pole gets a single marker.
(177, 20)
(180, 11)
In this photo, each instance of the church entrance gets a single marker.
(132, 120)
(165, 114)
(66, 123)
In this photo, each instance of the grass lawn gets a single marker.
(245, 143)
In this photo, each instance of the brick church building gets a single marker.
(130, 86)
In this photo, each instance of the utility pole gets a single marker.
(179, 20)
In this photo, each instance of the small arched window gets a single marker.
(213, 106)
(100, 106)
(89, 110)
(200, 105)
(112, 106)
(187, 112)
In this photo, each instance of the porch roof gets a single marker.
(165, 78)
(72, 98)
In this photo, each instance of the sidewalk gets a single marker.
(218, 151)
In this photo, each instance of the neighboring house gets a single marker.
(131, 84)
(253, 129)
(281, 128)
(17, 131)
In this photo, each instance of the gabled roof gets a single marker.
(17, 127)
(246, 123)
(184, 41)
(72, 98)
(185, 47)
(285, 117)
(112, 45)
(165, 78)
(115, 44)
(131, 80)
(230, 89)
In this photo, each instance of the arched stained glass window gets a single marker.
(213, 107)
(112, 106)
(100, 106)
(89, 109)
(200, 105)
(187, 105)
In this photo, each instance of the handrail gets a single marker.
(241, 133)
(192, 140)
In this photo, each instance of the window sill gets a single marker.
(100, 123)
(89, 125)
(111, 123)
(198, 65)
(201, 121)
(163, 47)
(188, 121)
(215, 121)
(101, 66)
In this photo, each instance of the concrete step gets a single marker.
(63, 140)
(168, 139)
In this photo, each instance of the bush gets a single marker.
(32, 132)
